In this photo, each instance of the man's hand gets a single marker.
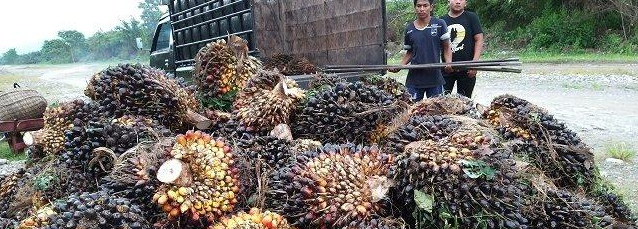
(448, 68)
(471, 73)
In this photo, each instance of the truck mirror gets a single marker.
(140, 46)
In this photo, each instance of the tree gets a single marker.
(56, 51)
(76, 41)
(10, 57)
(128, 31)
(151, 14)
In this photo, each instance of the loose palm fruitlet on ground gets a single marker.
(332, 187)
(141, 90)
(200, 180)
(347, 112)
(96, 210)
(220, 68)
(558, 151)
(254, 219)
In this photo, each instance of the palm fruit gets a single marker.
(223, 68)
(299, 66)
(418, 128)
(348, 112)
(200, 180)
(271, 151)
(321, 80)
(389, 85)
(551, 146)
(57, 120)
(278, 61)
(8, 187)
(263, 80)
(60, 179)
(40, 218)
(446, 105)
(145, 91)
(134, 176)
(96, 210)
(7, 223)
(268, 108)
(254, 219)
(562, 209)
(617, 208)
(332, 186)
(377, 223)
(465, 188)
(116, 135)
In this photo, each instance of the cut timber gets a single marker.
(175, 172)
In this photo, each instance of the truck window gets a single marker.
(163, 38)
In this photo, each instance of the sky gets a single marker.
(26, 24)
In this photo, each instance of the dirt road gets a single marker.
(598, 101)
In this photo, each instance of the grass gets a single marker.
(5, 153)
(621, 150)
(559, 57)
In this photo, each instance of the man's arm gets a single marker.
(447, 55)
(478, 46)
(407, 57)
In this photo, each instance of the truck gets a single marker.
(326, 32)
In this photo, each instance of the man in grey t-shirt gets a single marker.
(425, 38)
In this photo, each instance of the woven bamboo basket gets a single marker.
(20, 104)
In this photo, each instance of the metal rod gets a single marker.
(211, 20)
(459, 62)
(511, 70)
(425, 66)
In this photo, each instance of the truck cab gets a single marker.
(162, 46)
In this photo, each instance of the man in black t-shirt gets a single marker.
(466, 38)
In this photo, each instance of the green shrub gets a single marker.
(563, 30)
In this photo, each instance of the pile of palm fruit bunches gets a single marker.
(145, 151)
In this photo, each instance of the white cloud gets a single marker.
(26, 24)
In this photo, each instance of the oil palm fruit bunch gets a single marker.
(254, 219)
(128, 89)
(321, 80)
(347, 112)
(263, 80)
(117, 135)
(418, 128)
(562, 209)
(446, 105)
(232, 129)
(271, 151)
(200, 180)
(617, 208)
(559, 152)
(377, 223)
(268, 108)
(461, 185)
(8, 187)
(134, 176)
(299, 66)
(40, 218)
(278, 61)
(7, 223)
(389, 85)
(332, 186)
(63, 179)
(220, 68)
(57, 120)
(96, 210)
